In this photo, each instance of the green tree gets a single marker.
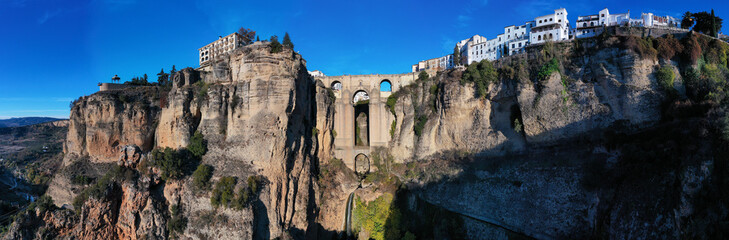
(162, 77)
(201, 176)
(687, 21)
(422, 76)
(705, 22)
(198, 146)
(275, 45)
(247, 35)
(223, 193)
(287, 41)
(170, 162)
(258, 39)
(713, 25)
(456, 56)
(173, 71)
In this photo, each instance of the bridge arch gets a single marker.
(385, 85)
(361, 164)
(360, 96)
(336, 86)
(361, 101)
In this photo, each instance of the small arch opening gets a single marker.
(385, 86)
(361, 164)
(336, 86)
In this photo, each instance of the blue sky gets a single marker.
(56, 50)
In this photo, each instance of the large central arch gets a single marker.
(361, 101)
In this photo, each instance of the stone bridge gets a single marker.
(361, 118)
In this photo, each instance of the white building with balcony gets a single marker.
(651, 20)
(593, 25)
(552, 27)
(219, 47)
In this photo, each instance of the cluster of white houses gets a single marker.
(552, 27)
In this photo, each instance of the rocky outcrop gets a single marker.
(257, 113)
(102, 122)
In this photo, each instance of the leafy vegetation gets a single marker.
(276, 47)
(177, 223)
(420, 122)
(198, 145)
(641, 46)
(170, 162)
(392, 128)
(518, 127)
(43, 204)
(378, 218)
(665, 77)
(223, 192)
(287, 42)
(80, 180)
(201, 177)
(117, 173)
(422, 76)
(668, 47)
(481, 74)
(391, 101)
(247, 35)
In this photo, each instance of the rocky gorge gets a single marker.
(579, 139)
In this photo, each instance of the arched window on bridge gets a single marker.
(336, 86)
(385, 86)
(360, 97)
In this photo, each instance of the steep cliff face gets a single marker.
(591, 156)
(102, 122)
(257, 111)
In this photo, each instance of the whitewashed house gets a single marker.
(467, 48)
(651, 20)
(593, 25)
(553, 27)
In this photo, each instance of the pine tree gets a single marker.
(258, 39)
(275, 45)
(456, 56)
(173, 71)
(287, 41)
(162, 77)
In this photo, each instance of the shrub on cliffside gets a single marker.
(172, 163)
(177, 223)
(665, 77)
(223, 193)
(201, 177)
(379, 218)
(198, 146)
(481, 74)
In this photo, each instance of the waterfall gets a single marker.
(348, 215)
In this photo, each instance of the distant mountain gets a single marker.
(25, 121)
